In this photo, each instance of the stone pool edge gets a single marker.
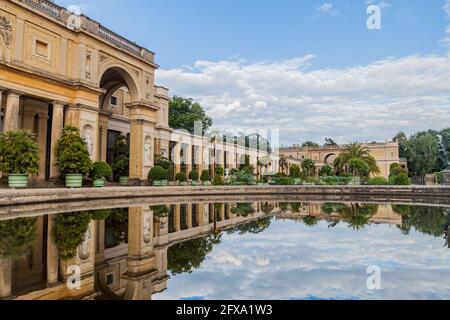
(35, 196)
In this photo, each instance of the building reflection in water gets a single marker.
(129, 253)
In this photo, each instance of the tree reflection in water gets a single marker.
(17, 237)
(187, 256)
(432, 221)
(357, 215)
(243, 209)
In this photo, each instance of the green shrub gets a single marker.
(158, 173)
(205, 176)
(181, 177)
(218, 181)
(100, 215)
(121, 164)
(72, 155)
(17, 237)
(285, 181)
(193, 175)
(378, 181)
(336, 180)
(326, 171)
(401, 179)
(241, 177)
(219, 171)
(166, 164)
(160, 211)
(101, 170)
(19, 153)
(69, 231)
(295, 171)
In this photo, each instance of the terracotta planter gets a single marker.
(160, 183)
(18, 181)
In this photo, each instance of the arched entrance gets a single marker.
(123, 112)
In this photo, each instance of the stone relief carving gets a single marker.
(103, 58)
(88, 135)
(5, 30)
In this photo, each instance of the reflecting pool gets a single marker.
(253, 250)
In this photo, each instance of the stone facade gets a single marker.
(385, 153)
(57, 69)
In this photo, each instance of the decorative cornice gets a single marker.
(31, 73)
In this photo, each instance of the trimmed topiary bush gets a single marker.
(19, 153)
(205, 177)
(219, 171)
(181, 177)
(101, 170)
(158, 173)
(218, 181)
(326, 171)
(72, 155)
(193, 175)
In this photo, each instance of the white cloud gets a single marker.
(369, 102)
(326, 8)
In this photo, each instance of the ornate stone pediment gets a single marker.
(5, 30)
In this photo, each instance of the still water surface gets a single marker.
(258, 250)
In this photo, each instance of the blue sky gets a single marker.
(197, 42)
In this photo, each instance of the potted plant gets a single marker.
(218, 180)
(181, 178)
(205, 178)
(72, 157)
(121, 163)
(193, 176)
(158, 176)
(99, 173)
(19, 157)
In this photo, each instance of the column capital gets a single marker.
(16, 93)
(59, 104)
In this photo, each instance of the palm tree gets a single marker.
(356, 150)
(358, 215)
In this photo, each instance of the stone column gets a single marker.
(57, 127)
(141, 258)
(142, 120)
(176, 157)
(5, 277)
(12, 111)
(52, 255)
(1, 105)
(188, 159)
(189, 216)
(177, 218)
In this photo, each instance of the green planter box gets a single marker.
(99, 183)
(74, 180)
(207, 183)
(194, 183)
(18, 181)
(184, 184)
(123, 181)
(160, 183)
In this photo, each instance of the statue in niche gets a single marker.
(148, 151)
(88, 136)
